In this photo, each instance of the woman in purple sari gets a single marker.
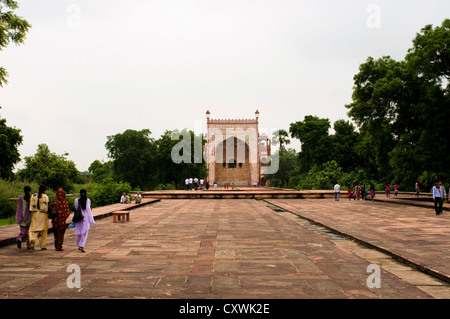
(82, 227)
(23, 217)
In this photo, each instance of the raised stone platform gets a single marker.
(238, 193)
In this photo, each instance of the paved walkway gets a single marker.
(414, 234)
(9, 233)
(228, 249)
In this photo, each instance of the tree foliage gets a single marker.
(281, 137)
(13, 29)
(10, 139)
(402, 113)
(132, 153)
(49, 169)
(144, 162)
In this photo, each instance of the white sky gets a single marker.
(89, 69)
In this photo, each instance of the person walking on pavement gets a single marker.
(39, 218)
(438, 198)
(372, 192)
(387, 190)
(82, 227)
(337, 190)
(23, 217)
(59, 222)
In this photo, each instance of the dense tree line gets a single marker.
(147, 163)
(401, 110)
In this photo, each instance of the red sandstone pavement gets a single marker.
(412, 233)
(225, 249)
(8, 233)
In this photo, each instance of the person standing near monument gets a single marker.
(39, 218)
(23, 216)
(337, 190)
(186, 181)
(82, 227)
(196, 183)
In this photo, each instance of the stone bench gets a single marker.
(122, 216)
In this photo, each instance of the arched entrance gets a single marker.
(232, 162)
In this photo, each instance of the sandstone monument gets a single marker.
(236, 152)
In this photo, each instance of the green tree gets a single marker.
(168, 170)
(287, 168)
(133, 157)
(315, 142)
(50, 169)
(376, 94)
(430, 54)
(281, 137)
(343, 145)
(402, 110)
(99, 171)
(13, 29)
(10, 139)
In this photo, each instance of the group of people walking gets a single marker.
(358, 192)
(34, 211)
(195, 183)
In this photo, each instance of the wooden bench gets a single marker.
(121, 216)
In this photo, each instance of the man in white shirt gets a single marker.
(186, 181)
(191, 181)
(124, 199)
(337, 190)
(438, 197)
(201, 183)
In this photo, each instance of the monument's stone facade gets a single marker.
(233, 151)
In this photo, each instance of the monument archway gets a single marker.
(233, 162)
(233, 152)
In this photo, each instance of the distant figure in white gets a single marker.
(337, 190)
(124, 199)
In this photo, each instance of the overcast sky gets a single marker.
(90, 69)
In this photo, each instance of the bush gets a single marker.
(108, 192)
(7, 208)
(12, 189)
(168, 186)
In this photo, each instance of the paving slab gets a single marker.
(200, 249)
(413, 234)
